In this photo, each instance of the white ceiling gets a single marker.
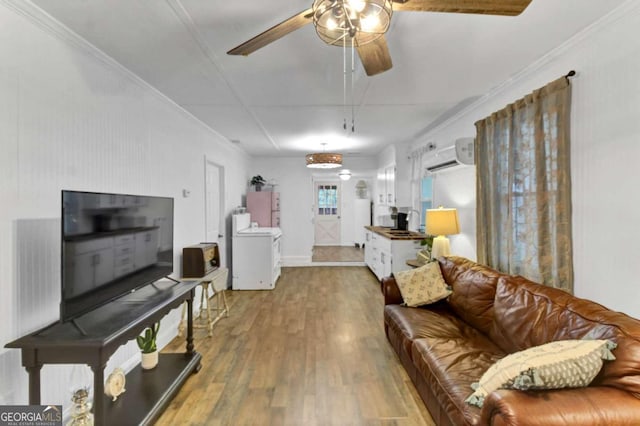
(287, 98)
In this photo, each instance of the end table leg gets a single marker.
(182, 320)
(34, 384)
(190, 324)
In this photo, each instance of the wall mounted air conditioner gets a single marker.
(461, 152)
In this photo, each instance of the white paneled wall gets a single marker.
(605, 130)
(71, 118)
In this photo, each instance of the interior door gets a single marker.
(214, 205)
(327, 214)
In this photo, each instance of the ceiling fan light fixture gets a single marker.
(324, 160)
(351, 22)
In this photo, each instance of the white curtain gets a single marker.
(417, 173)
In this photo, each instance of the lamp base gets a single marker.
(440, 247)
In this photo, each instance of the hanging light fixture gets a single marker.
(324, 160)
(351, 22)
(344, 174)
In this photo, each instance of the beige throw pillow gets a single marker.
(422, 285)
(554, 365)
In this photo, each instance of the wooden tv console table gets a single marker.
(104, 330)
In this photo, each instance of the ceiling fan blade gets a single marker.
(486, 7)
(375, 56)
(274, 33)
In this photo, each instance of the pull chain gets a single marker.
(344, 81)
(353, 69)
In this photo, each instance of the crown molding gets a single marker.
(52, 26)
(629, 7)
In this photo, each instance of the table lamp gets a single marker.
(441, 222)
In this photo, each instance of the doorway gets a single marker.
(327, 214)
(214, 206)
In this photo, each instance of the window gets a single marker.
(327, 200)
(426, 199)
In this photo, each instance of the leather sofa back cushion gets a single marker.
(527, 314)
(474, 289)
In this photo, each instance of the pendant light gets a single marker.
(324, 160)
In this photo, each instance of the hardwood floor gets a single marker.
(310, 352)
(337, 254)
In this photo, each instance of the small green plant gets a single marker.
(147, 340)
(258, 180)
(427, 241)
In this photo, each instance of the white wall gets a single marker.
(456, 188)
(295, 184)
(71, 118)
(605, 129)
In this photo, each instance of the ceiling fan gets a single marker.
(362, 24)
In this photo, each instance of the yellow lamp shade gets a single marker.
(442, 221)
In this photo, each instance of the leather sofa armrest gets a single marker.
(391, 291)
(584, 406)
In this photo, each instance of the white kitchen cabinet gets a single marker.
(369, 249)
(385, 256)
(393, 183)
(385, 186)
(402, 181)
(390, 185)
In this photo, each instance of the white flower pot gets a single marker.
(149, 360)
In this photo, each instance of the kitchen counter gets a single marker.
(394, 234)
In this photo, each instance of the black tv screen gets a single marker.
(112, 244)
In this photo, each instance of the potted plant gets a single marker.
(258, 182)
(147, 344)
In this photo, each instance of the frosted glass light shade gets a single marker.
(344, 174)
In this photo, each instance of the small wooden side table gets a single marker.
(217, 282)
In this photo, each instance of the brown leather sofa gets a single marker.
(447, 346)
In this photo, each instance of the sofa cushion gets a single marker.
(474, 289)
(527, 314)
(409, 324)
(423, 285)
(450, 363)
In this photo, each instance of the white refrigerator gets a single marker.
(362, 218)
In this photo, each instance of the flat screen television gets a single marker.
(112, 244)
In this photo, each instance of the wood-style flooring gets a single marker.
(337, 254)
(310, 352)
